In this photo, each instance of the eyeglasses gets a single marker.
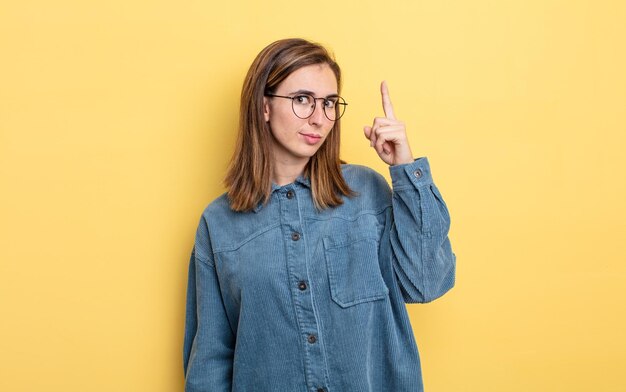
(303, 105)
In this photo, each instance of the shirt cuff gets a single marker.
(411, 175)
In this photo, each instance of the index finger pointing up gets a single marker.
(387, 106)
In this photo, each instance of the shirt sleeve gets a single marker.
(423, 260)
(209, 341)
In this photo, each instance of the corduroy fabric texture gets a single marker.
(288, 298)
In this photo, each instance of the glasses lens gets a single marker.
(334, 108)
(303, 105)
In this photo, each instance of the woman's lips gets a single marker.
(311, 138)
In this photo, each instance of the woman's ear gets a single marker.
(266, 109)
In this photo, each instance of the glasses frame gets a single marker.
(343, 102)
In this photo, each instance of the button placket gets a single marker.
(296, 257)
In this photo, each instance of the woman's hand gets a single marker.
(388, 135)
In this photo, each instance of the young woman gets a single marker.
(300, 272)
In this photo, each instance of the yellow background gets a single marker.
(117, 119)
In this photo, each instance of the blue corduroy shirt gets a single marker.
(288, 298)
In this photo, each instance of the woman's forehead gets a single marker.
(318, 79)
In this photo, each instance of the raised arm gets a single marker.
(423, 260)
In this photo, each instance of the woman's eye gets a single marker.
(330, 103)
(302, 99)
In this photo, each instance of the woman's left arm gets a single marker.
(423, 261)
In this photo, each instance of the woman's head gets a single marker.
(274, 67)
(271, 123)
(300, 114)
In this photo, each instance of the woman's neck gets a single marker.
(284, 173)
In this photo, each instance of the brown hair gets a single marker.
(249, 175)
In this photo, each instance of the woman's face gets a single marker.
(295, 140)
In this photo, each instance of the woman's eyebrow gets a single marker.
(311, 93)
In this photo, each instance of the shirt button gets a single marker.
(302, 285)
(295, 236)
(417, 173)
(312, 339)
(290, 195)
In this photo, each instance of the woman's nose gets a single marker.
(318, 114)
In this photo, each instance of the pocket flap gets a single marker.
(353, 269)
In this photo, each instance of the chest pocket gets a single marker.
(353, 270)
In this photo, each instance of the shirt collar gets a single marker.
(304, 181)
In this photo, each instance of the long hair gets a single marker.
(249, 175)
